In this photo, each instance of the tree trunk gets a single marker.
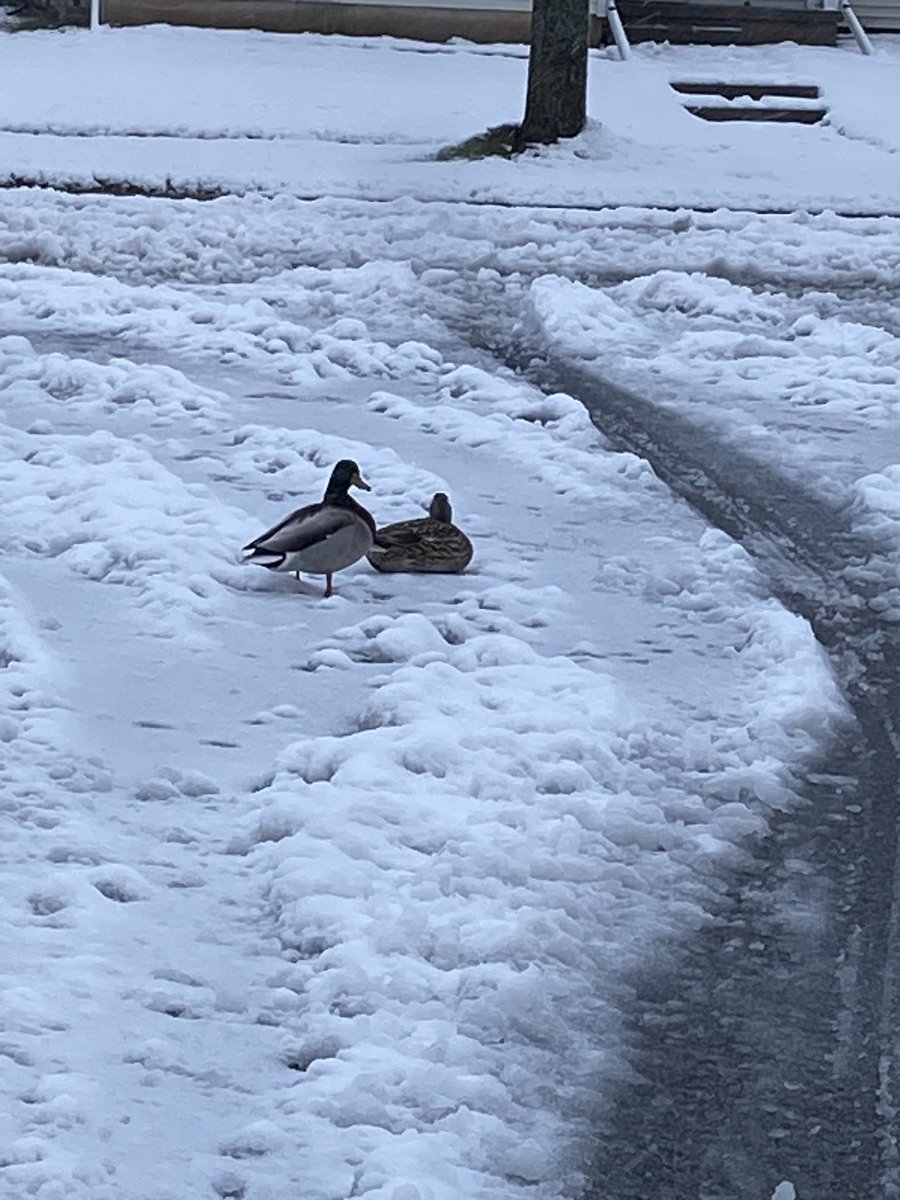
(557, 70)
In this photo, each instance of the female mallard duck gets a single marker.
(430, 544)
(320, 538)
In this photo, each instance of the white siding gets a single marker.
(878, 14)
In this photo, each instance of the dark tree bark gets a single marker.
(556, 106)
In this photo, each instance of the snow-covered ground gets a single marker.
(273, 113)
(313, 898)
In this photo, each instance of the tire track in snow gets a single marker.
(768, 1052)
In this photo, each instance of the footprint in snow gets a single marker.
(171, 975)
(16, 1054)
(281, 712)
(229, 1186)
(170, 783)
(47, 903)
(121, 884)
(253, 1141)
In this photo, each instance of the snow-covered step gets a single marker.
(712, 100)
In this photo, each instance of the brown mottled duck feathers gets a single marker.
(427, 545)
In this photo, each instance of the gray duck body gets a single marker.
(319, 538)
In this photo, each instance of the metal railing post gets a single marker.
(607, 8)
(862, 38)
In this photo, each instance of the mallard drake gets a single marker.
(430, 544)
(320, 538)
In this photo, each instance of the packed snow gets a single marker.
(319, 898)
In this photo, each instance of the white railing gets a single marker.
(862, 38)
